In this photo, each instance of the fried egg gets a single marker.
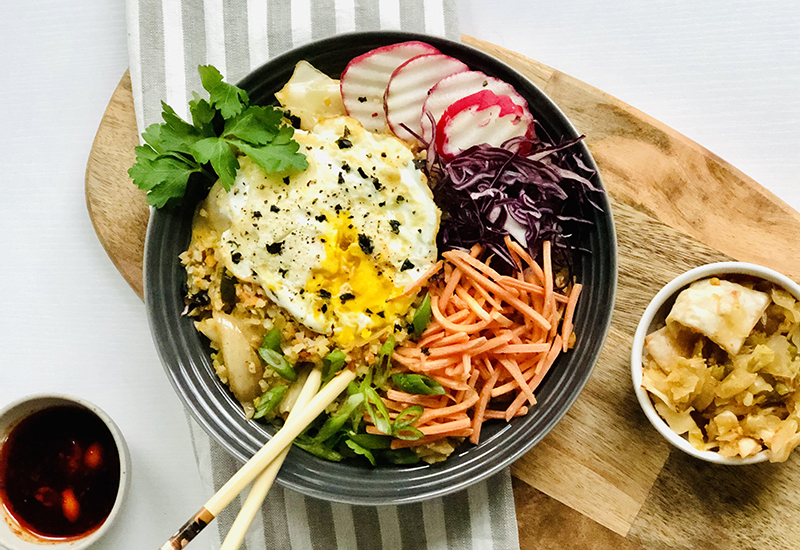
(337, 244)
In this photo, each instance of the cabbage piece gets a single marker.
(786, 301)
(784, 441)
(679, 422)
(682, 383)
(781, 365)
(736, 382)
(311, 95)
(667, 345)
(489, 192)
(748, 447)
(655, 381)
(243, 365)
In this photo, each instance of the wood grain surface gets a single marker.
(603, 478)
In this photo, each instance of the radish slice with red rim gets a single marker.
(409, 87)
(364, 80)
(482, 117)
(452, 88)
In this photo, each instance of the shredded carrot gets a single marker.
(523, 348)
(499, 415)
(473, 304)
(567, 329)
(515, 248)
(491, 335)
(477, 420)
(495, 342)
(428, 415)
(460, 348)
(450, 325)
(445, 427)
(513, 368)
(424, 400)
(416, 285)
(449, 383)
(450, 287)
(548, 278)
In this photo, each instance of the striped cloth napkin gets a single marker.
(167, 39)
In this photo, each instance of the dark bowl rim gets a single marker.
(486, 466)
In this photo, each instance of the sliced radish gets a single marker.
(408, 88)
(482, 117)
(364, 80)
(454, 87)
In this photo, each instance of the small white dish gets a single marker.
(12, 537)
(653, 318)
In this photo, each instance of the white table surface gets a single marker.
(725, 73)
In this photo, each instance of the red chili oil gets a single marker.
(59, 472)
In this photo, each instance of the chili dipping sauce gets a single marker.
(59, 472)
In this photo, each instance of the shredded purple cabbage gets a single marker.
(489, 192)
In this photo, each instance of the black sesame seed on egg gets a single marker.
(365, 243)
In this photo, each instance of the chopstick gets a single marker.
(247, 473)
(263, 482)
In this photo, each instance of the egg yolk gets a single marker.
(348, 282)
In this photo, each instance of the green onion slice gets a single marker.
(418, 384)
(278, 363)
(334, 423)
(379, 414)
(402, 427)
(359, 450)
(272, 340)
(331, 364)
(269, 401)
(422, 317)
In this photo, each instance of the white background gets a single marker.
(725, 73)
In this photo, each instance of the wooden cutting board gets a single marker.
(603, 478)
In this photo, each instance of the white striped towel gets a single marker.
(167, 39)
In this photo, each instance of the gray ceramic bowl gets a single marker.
(185, 353)
(654, 318)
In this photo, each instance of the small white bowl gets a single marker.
(653, 318)
(11, 536)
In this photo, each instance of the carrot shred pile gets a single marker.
(491, 340)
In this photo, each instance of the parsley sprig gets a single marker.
(223, 127)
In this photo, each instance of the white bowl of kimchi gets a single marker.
(715, 363)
